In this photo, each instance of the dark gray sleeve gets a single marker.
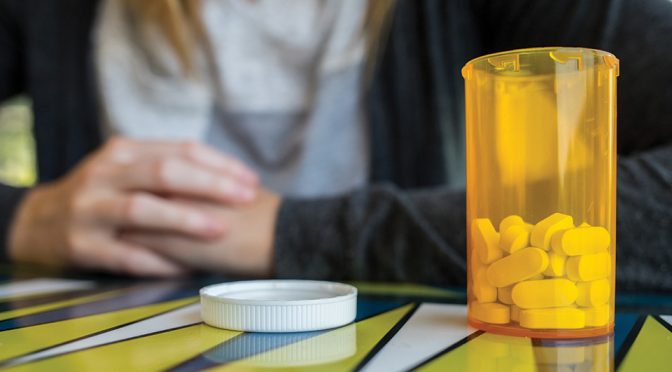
(383, 234)
(11, 55)
(10, 197)
(644, 225)
(11, 73)
(377, 233)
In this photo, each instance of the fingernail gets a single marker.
(251, 178)
(200, 222)
(247, 175)
(237, 191)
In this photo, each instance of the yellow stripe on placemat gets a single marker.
(401, 290)
(149, 353)
(341, 349)
(487, 352)
(56, 305)
(651, 350)
(21, 341)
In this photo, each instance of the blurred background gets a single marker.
(17, 149)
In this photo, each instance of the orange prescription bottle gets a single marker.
(541, 191)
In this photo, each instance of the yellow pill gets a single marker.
(515, 313)
(556, 264)
(544, 230)
(485, 240)
(593, 293)
(518, 266)
(537, 294)
(483, 291)
(504, 295)
(558, 318)
(491, 312)
(589, 267)
(596, 316)
(584, 224)
(474, 266)
(509, 221)
(581, 241)
(474, 262)
(515, 238)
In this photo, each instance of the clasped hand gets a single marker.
(149, 208)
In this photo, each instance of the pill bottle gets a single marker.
(541, 192)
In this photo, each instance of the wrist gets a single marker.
(18, 231)
(32, 223)
(271, 205)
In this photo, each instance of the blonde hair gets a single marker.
(179, 21)
(377, 25)
(181, 24)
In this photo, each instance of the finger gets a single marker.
(172, 246)
(147, 211)
(209, 157)
(128, 151)
(177, 176)
(123, 257)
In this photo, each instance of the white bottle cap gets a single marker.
(278, 305)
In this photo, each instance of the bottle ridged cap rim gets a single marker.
(278, 305)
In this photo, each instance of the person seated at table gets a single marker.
(298, 138)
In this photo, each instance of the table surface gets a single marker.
(53, 323)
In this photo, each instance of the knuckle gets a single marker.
(128, 265)
(133, 207)
(76, 246)
(170, 217)
(92, 174)
(116, 144)
(79, 204)
(132, 263)
(118, 149)
(163, 171)
(191, 149)
(205, 179)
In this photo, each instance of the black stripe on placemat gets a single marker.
(8, 362)
(629, 340)
(448, 349)
(662, 321)
(388, 336)
(249, 344)
(132, 297)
